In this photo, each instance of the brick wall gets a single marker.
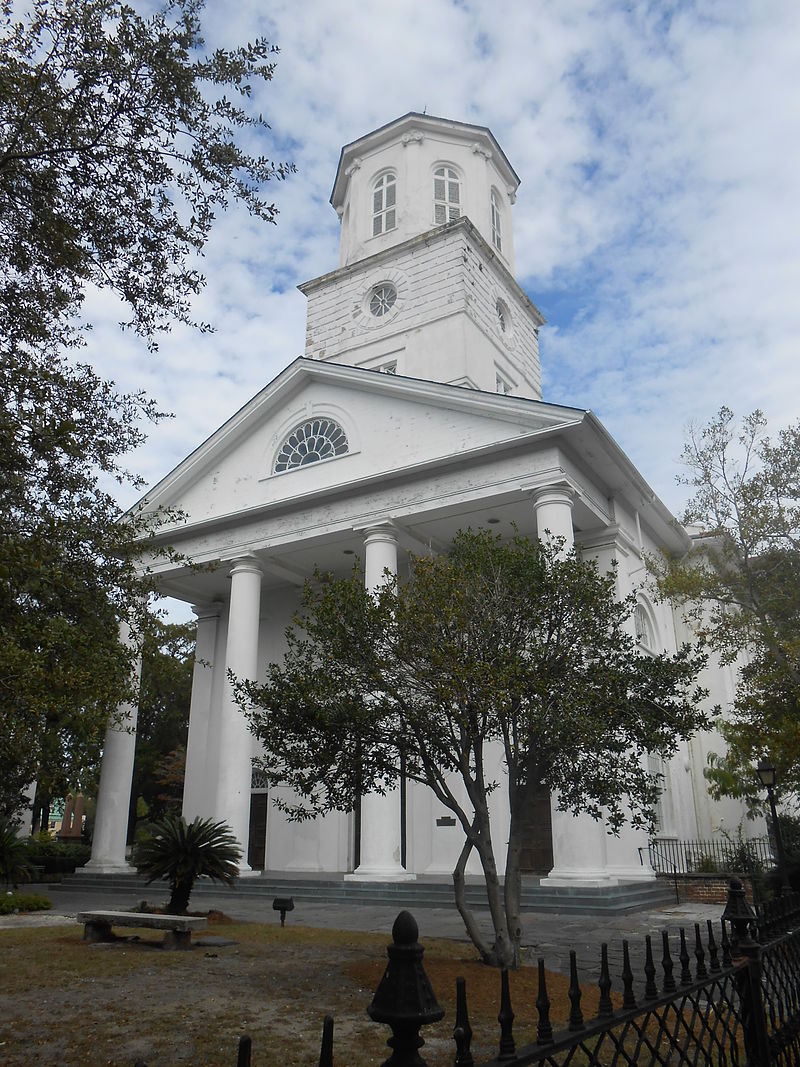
(706, 888)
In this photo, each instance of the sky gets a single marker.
(657, 226)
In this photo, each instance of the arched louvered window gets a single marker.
(384, 200)
(446, 196)
(497, 235)
(310, 442)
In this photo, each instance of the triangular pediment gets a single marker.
(395, 426)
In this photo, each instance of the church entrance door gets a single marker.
(257, 846)
(537, 835)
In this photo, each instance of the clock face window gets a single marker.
(382, 300)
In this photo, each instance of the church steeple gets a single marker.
(425, 285)
(418, 172)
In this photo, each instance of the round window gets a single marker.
(382, 300)
(503, 317)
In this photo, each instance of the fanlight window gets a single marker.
(384, 199)
(446, 196)
(497, 237)
(310, 442)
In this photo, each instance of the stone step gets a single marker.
(605, 900)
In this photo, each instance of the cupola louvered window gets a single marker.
(310, 442)
(497, 236)
(446, 196)
(384, 204)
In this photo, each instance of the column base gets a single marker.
(585, 877)
(378, 874)
(105, 867)
(622, 875)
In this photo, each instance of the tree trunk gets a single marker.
(179, 899)
(461, 903)
(512, 889)
(36, 821)
(501, 953)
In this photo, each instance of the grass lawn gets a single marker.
(67, 1002)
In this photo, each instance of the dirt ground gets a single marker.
(67, 1002)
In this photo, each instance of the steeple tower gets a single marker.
(425, 285)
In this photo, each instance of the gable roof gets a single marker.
(290, 381)
(527, 421)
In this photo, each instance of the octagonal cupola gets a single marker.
(417, 173)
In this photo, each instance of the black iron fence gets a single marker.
(728, 993)
(746, 856)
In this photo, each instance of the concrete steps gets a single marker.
(607, 900)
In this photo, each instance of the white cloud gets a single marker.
(657, 225)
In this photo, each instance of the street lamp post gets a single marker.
(767, 776)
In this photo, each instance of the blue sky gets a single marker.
(657, 225)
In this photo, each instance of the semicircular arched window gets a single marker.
(645, 636)
(310, 442)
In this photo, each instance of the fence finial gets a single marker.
(739, 914)
(508, 1048)
(462, 1032)
(405, 999)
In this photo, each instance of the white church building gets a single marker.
(415, 411)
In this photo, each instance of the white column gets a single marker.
(232, 804)
(624, 861)
(116, 778)
(196, 801)
(380, 815)
(579, 841)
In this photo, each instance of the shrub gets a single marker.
(179, 853)
(57, 856)
(741, 855)
(13, 902)
(702, 863)
(15, 864)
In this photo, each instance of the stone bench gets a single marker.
(177, 928)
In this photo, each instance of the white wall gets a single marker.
(450, 276)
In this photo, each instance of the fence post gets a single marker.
(748, 980)
(404, 999)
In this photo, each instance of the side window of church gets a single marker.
(446, 196)
(497, 236)
(384, 200)
(310, 442)
(644, 629)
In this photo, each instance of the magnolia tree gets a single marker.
(121, 141)
(740, 588)
(512, 644)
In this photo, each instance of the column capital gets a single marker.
(557, 493)
(208, 611)
(245, 565)
(385, 532)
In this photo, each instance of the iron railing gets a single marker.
(727, 994)
(748, 856)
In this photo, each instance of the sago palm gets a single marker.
(180, 852)
(15, 866)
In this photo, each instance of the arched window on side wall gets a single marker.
(384, 204)
(645, 633)
(446, 196)
(497, 232)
